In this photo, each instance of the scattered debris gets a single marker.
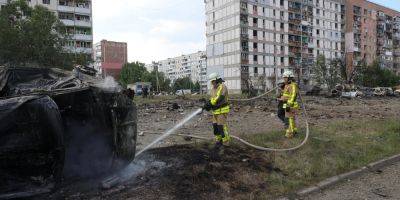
(60, 124)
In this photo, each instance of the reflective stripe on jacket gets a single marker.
(290, 93)
(219, 100)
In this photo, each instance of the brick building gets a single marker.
(372, 33)
(109, 57)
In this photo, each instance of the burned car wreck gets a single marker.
(56, 124)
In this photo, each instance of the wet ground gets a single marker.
(197, 171)
(185, 172)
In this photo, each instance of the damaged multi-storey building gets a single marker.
(372, 34)
(252, 42)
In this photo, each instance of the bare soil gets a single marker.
(181, 169)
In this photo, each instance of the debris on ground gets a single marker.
(57, 124)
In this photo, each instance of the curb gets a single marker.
(350, 175)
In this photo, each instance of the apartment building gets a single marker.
(253, 41)
(110, 57)
(372, 33)
(76, 16)
(193, 66)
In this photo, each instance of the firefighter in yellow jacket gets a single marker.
(218, 104)
(291, 105)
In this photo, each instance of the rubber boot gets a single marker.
(292, 125)
(290, 130)
(227, 138)
(216, 133)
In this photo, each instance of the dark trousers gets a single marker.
(281, 113)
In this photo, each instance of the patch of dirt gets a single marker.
(190, 173)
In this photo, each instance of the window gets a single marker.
(256, 70)
(255, 45)
(255, 33)
(282, 60)
(255, 58)
(46, 1)
(282, 25)
(282, 3)
(274, 13)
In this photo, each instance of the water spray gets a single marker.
(171, 131)
(122, 176)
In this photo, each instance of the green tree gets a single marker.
(32, 36)
(183, 83)
(132, 73)
(326, 74)
(374, 76)
(163, 82)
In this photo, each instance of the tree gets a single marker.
(374, 76)
(163, 82)
(32, 36)
(183, 83)
(326, 74)
(132, 73)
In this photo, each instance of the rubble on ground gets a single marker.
(57, 124)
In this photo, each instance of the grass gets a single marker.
(336, 148)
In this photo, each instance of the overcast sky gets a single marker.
(158, 29)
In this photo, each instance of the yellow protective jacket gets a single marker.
(290, 93)
(219, 100)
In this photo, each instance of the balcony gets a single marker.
(244, 36)
(68, 22)
(79, 50)
(83, 23)
(245, 62)
(244, 11)
(83, 10)
(83, 37)
(71, 9)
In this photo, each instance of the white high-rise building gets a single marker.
(76, 16)
(252, 42)
(193, 66)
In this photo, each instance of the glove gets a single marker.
(286, 107)
(207, 106)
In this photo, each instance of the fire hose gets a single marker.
(260, 147)
(266, 148)
(116, 179)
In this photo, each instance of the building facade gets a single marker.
(110, 57)
(253, 41)
(76, 16)
(372, 34)
(193, 66)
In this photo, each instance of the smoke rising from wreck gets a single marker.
(89, 152)
(109, 84)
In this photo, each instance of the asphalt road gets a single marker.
(379, 185)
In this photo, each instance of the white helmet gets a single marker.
(214, 77)
(288, 74)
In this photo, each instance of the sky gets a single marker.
(158, 29)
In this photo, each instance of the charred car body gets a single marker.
(56, 124)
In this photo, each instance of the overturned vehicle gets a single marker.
(56, 125)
